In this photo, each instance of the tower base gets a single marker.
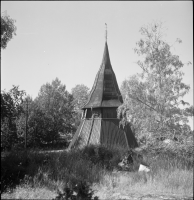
(107, 132)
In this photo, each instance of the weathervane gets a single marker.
(106, 32)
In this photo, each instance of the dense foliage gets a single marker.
(153, 99)
(56, 103)
(80, 191)
(80, 94)
(8, 29)
(45, 119)
(11, 110)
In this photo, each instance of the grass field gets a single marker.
(178, 183)
(40, 175)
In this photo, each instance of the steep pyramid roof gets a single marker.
(105, 91)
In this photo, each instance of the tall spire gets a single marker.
(105, 91)
(106, 58)
(106, 32)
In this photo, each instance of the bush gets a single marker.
(80, 191)
(107, 158)
(165, 156)
(97, 155)
(16, 164)
(71, 167)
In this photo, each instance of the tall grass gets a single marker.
(68, 167)
(171, 175)
(115, 186)
(36, 172)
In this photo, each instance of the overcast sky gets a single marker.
(66, 40)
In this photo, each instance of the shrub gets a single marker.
(16, 164)
(97, 155)
(80, 191)
(13, 168)
(169, 156)
(74, 166)
(107, 158)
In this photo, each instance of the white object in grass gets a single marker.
(168, 141)
(143, 168)
(121, 164)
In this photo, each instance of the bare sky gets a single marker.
(65, 39)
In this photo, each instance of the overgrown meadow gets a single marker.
(46, 175)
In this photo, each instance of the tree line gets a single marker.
(52, 114)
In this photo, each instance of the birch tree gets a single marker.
(154, 98)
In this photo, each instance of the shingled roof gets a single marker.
(105, 91)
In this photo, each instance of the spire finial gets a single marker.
(106, 32)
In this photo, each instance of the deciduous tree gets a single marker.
(55, 111)
(154, 98)
(80, 94)
(8, 29)
(11, 110)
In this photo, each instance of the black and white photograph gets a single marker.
(97, 100)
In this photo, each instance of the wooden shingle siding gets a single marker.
(105, 86)
(85, 133)
(76, 135)
(95, 135)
